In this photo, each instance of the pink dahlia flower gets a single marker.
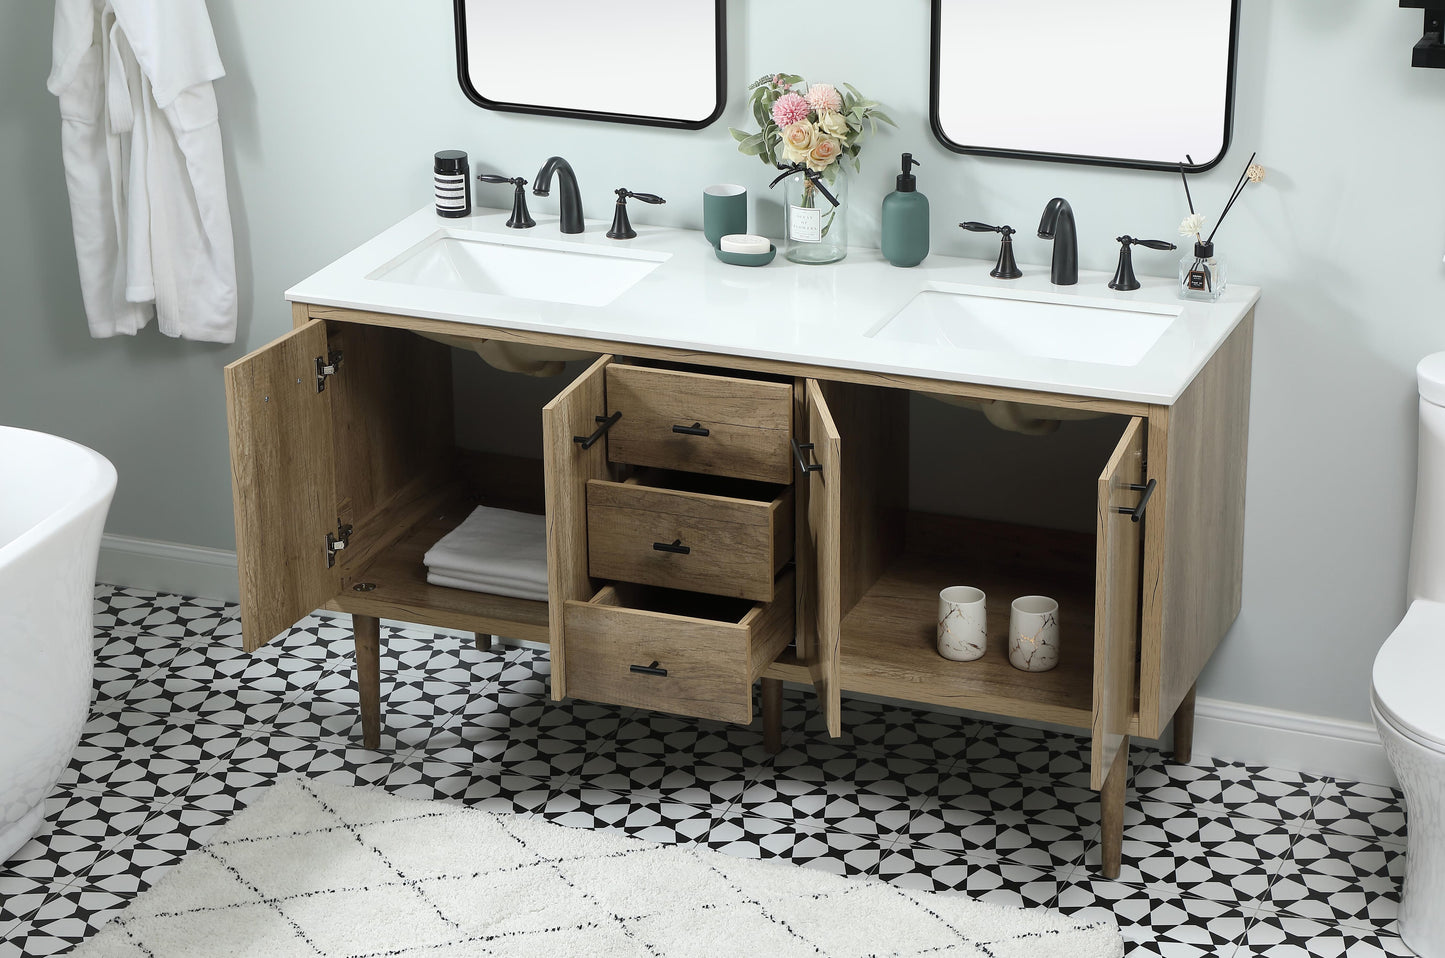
(789, 109)
(822, 96)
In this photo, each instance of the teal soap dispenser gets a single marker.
(905, 219)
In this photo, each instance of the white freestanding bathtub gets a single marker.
(54, 495)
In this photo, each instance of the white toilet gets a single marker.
(1407, 692)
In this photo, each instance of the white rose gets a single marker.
(833, 122)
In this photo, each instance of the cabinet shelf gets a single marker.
(889, 645)
(401, 591)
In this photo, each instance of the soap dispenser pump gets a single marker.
(905, 219)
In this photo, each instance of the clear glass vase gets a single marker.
(815, 231)
(1201, 274)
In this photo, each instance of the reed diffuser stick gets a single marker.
(1238, 189)
(1186, 184)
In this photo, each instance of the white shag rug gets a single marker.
(325, 870)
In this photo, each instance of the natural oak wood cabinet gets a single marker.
(790, 482)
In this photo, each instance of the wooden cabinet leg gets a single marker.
(484, 641)
(1184, 728)
(367, 631)
(773, 715)
(1111, 803)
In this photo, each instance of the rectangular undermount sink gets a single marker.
(532, 268)
(1086, 331)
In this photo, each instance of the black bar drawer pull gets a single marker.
(1137, 513)
(803, 464)
(696, 429)
(587, 442)
(675, 547)
(649, 670)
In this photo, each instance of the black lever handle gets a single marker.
(1137, 513)
(973, 226)
(587, 442)
(652, 198)
(499, 178)
(675, 547)
(1155, 244)
(803, 464)
(696, 429)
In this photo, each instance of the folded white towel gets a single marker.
(491, 587)
(500, 581)
(494, 545)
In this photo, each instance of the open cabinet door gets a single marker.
(1116, 602)
(283, 482)
(567, 466)
(825, 529)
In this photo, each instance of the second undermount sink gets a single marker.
(522, 268)
(1086, 331)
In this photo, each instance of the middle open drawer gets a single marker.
(697, 533)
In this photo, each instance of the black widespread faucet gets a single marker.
(1058, 225)
(571, 198)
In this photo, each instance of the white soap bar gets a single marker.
(744, 243)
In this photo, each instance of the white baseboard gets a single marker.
(168, 567)
(1228, 730)
(1306, 743)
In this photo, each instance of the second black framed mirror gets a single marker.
(649, 62)
(1131, 83)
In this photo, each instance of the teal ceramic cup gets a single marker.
(724, 211)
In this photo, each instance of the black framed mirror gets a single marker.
(650, 62)
(1131, 83)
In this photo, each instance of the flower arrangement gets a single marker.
(1193, 224)
(808, 125)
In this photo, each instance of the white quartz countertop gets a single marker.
(816, 315)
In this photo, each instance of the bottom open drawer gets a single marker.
(676, 652)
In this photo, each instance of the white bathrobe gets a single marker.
(142, 152)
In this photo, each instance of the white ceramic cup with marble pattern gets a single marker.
(1033, 633)
(962, 623)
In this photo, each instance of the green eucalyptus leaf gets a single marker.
(884, 117)
(740, 135)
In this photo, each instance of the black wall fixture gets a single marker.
(1430, 51)
(649, 62)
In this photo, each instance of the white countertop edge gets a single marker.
(343, 284)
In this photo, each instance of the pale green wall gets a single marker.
(331, 111)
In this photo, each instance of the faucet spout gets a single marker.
(1057, 224)
(571, 198)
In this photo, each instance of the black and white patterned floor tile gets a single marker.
(744, 835)
(1279, 935)
(1001, 816)
(186, 728)
(1003, 882)
(1155, 921)
(1341, 879)
(579, 805)
(1367, 811)
(1200, 850)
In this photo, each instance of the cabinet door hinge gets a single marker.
(335, 543)
(326, 366)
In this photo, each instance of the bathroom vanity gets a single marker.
(726, 486)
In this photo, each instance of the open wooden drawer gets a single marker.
(675, 651)
(701, 533)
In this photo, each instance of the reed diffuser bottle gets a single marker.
(1201, 272)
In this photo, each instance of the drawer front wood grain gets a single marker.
(748, 423)
(733, 547)
(710, 665)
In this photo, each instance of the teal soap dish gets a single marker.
(747, 259)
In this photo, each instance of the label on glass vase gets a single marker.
(805, 225)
